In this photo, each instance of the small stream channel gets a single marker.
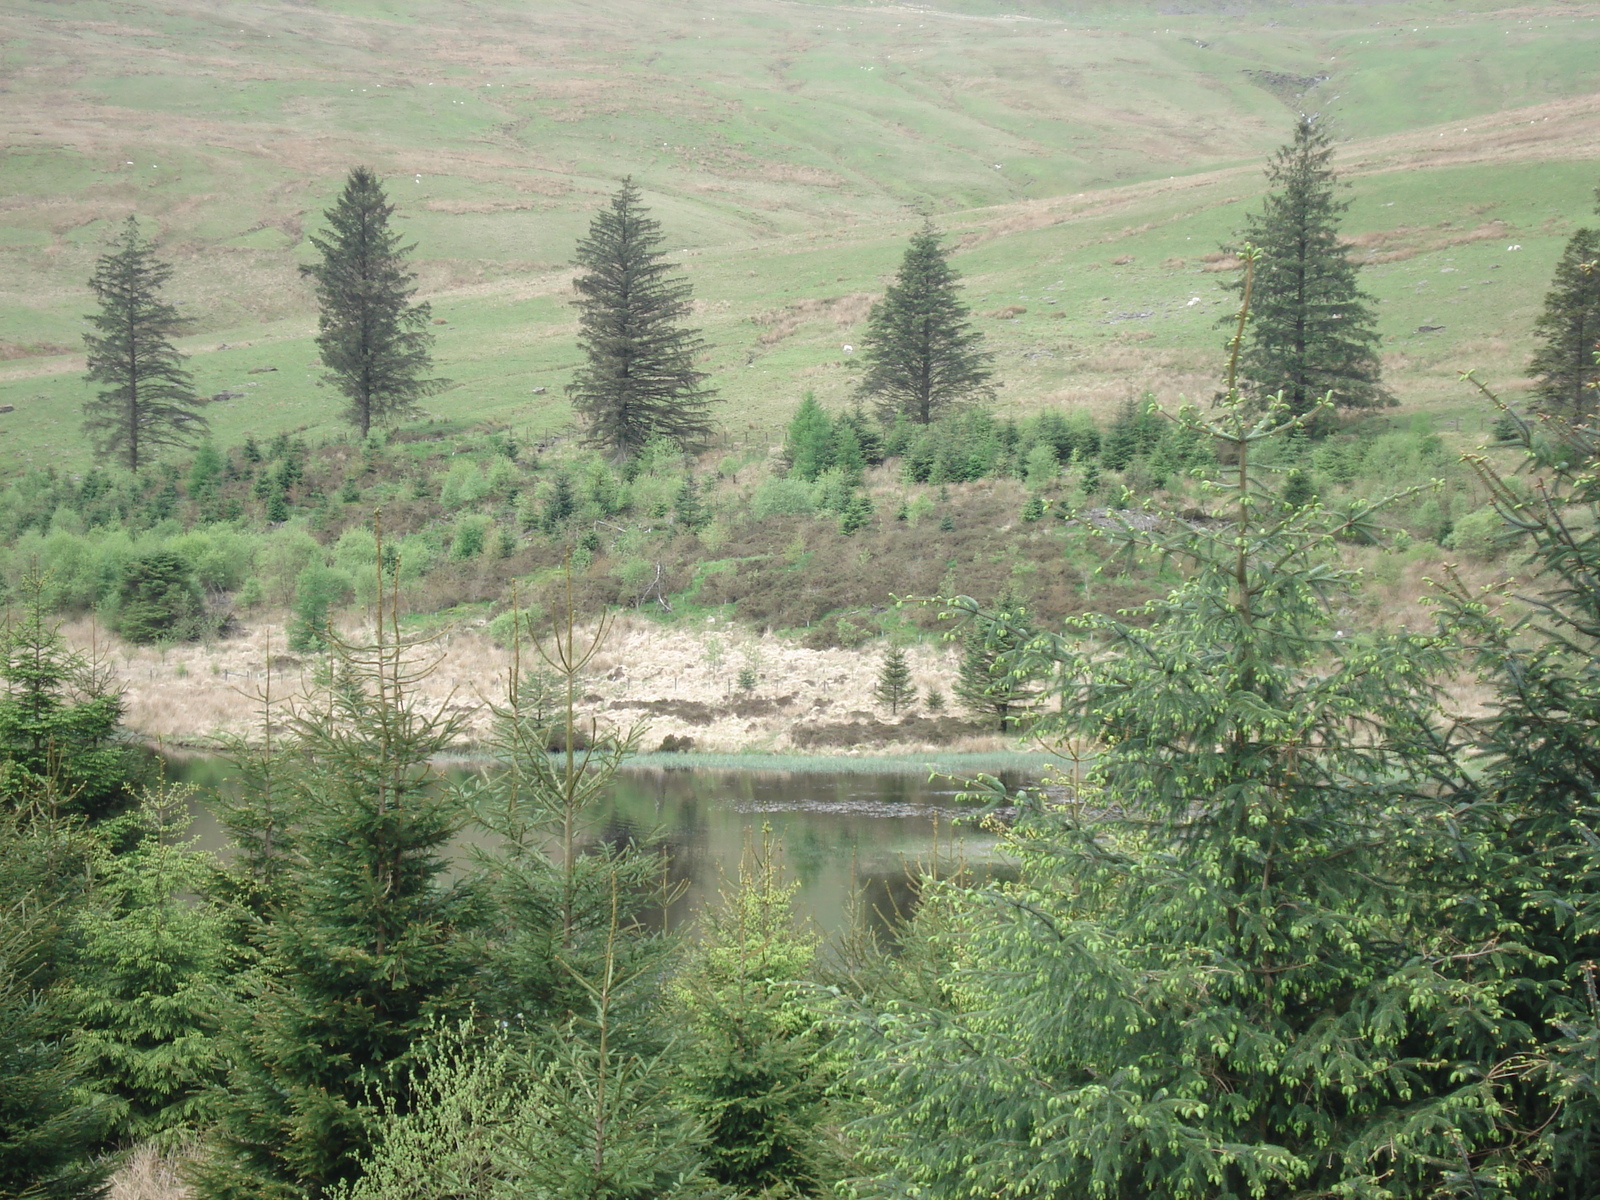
(855, 832)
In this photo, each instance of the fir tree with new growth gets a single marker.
(894, 681)
(151, 968)
(374, 341)
(150, 404)
(992, 681)
(1312, 332)
(370, 945)
(921, 355)
(639, 379)
(1227, 967)
(1564, 368)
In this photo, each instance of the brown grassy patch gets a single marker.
(1404, 241)
(149, 1174)
(1006, 313)
(843, 311)
(458, 207)
(10, 350)
(1122, 260)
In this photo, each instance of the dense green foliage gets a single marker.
(374, 342)
(51, 1118)
(1312, 330)
(1226, 970)
(1534, 809)
(757, 1061)
(58, 719)
(150, 402)
(921, 355)
(639, 379)
(1289, 928)
(157, 600)
(151, 961)
(1293, 932)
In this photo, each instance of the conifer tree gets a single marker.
(1568, 331)
(573, 1095)
(151, 969)
(688, 508)
(921, 355)
(1223, 971)
(992, 681)
(755, 1066)
(541, 807)
(374, 342)
(639, 379)
(894, 681)
(1532, 809)
(263, 813)
(370, 944)
(51, 1118)
(150, 403)
(1312, 330)
(59, 717)
(809, 443)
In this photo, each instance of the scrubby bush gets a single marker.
(1479, 535)
(502, 478)
(222, 558)
(1041, 467)
(317, 590)
(284, 553)
(464, 485)
(514, 623)
(469, 538)
(781, 497)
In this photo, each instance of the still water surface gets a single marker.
(853, 840)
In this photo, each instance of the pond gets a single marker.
(855, 834)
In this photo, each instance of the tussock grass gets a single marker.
(150, 1173)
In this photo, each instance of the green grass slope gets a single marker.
(1086, 157)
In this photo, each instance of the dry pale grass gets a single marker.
(843, 311)
(1403, 242)
(676, 681)
(149, 1174)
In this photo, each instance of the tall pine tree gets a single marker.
(1312, 330)
(639, 380)
(1568, 331)
(374, 341)
(921, 354)
(150, 402)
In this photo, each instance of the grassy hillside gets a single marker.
(1086, 156)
